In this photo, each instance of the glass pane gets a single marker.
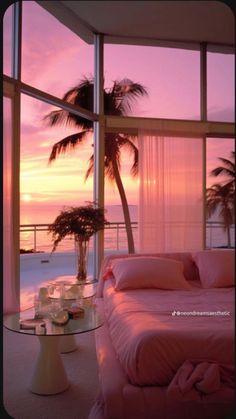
(54, 59)
(170, 76)
(115, 234)
(10, 303)
(45, 190)
(217, 148)
(220, 87)
(171, 189)
(7, 41)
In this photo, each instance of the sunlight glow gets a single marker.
(26, 197)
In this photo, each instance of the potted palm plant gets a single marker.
(82, 223)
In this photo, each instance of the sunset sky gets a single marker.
(54, 59)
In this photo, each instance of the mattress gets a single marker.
(118, 399)
(154, 331)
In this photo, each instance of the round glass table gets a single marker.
(68, 289)
(49, 375)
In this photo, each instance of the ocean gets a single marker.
(115, 238)
(34, 273)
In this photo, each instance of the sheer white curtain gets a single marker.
(10, 286)
(171, 193)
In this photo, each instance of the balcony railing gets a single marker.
(115, 236)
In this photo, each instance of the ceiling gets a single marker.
(148, 22)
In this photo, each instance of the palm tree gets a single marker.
(118, 101)
(222, 196)
(227, 170)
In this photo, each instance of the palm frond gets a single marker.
(56, 117)
(90, 167)
(118, 100)
(125, 92)
(227, 169)
(82, 222)
(66, 143)
(221, 170)
(108, 170)
(228, 163)
(125, 142)
(81, 95)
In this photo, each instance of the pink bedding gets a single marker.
(118, 399)
(197, 378)
(151, 343)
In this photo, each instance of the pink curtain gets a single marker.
(10, 288)
(171, 193)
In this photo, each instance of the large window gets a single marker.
(171, 77)
(54, 60)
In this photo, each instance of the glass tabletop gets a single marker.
(89, 320)
(72, 280)
(70, 291)
(68, 288)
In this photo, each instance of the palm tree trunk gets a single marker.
(125, 207)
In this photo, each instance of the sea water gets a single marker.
(115, 236)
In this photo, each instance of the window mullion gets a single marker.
(203, 81)
(17, 40)
(99, 147)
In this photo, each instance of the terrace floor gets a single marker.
(38, 269)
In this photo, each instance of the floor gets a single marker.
(19, 356)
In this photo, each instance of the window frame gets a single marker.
(102, 124)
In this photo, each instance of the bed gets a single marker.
(166, 350)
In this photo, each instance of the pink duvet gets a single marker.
(152, 340)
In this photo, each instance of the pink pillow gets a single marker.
(216, 268)
(190, 268)
(148, 272)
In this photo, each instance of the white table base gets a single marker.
(49, 375)
(67, 344)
